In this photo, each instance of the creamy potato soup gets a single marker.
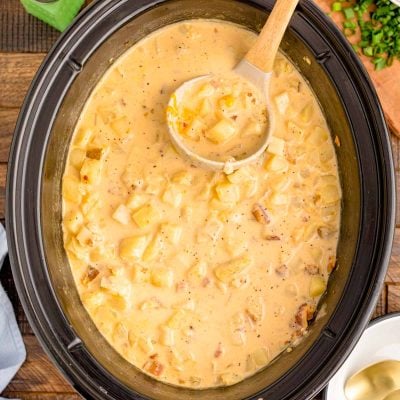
(198, 278)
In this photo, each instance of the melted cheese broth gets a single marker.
(197, 278)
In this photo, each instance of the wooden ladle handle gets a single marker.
(263, 53)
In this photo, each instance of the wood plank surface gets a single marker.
(39, 376)
(3, 175)
(20, 32)
(386, 81)
(8, 117)
(23, 44)
(16, 73)
(393, 298)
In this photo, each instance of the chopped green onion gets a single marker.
(368, 51)
(336, 6)
(350, 25)
(378, 22)
(380, 63)
(348, 13)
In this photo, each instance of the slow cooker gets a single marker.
(103, 32)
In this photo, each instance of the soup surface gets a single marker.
(198, 278)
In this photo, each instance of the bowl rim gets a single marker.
(18, 238)
(374, 322)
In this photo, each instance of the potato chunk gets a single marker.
(172, 233)
(180, 319)
(91, 171)
(197, 272)
(183, 178)
(317, 286)
(73, 221)
(145, 216)
(76, 157)
(221, 132)
(260, 357)
(154, 248)
(276, 146)
(282, 102)
(173, 196)
(136, 200)
(276, 164)
(330, 194)
(132, 248)
(241, 175)
(228, 192)
(83, 137)
(122, 214)
(255, 308)
(167, 336)
(162, 277)
(227, 271)
(71, 190)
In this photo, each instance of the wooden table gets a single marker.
(24, 42)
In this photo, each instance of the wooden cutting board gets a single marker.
(386, 81)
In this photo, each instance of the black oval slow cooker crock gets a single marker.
(53, 104)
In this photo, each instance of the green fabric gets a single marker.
(58, 14)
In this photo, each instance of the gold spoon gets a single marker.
(375, 382)
(256, 67)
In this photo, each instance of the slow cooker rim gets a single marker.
(16, 149)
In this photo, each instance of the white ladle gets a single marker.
(256, 67)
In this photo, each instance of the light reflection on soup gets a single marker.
(198, 278)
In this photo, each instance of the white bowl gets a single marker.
(379, 342)
(397, 2)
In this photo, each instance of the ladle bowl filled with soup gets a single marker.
(148, 276)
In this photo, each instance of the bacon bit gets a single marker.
(251, 315)
(85, 178)
(299, 87)
(219, 351)
(91, 274)
(154, 356)
(181, 286)
(282, 271)
(154, 367)
(94, 154)
(272, 237)
(234, 117)
(215, 84)
(312, 269)
(304, 314)
(337, 141)
(316, 198)
(290, 159)
(325, 232)
(260, 214)
(332, 264)
(206, 281)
